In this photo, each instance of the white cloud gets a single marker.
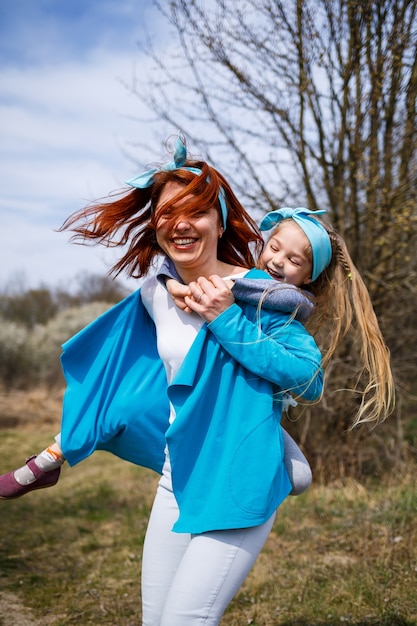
(64, 125)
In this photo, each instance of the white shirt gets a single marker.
(175, 329)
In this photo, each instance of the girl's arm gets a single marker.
(271, 294)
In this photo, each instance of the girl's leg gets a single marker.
(39, 472)
(297, 466)
(162, 553)
(212, 570)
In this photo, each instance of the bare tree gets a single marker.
(308, 102)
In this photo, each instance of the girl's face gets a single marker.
(287, 255)
(190, 242)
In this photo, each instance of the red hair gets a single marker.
(130, 220)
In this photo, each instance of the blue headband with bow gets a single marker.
(146, 179)
(321, 248)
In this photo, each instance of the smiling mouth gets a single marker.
(274, 275)
(184, 242)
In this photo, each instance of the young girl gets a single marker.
(341, 303)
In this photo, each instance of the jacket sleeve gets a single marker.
(272, 346)
(271, 294)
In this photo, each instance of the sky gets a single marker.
(67, 127)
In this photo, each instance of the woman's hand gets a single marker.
(178, 291)
(209, 297)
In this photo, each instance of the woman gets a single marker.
(196, 397)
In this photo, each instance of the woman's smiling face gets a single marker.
(190, 241)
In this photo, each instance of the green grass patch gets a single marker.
(341, 554)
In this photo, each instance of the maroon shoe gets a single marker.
(10, 488)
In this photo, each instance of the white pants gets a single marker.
(191, 579)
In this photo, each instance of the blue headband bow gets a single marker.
(146, 179)
(321, 248)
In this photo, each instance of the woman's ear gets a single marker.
(221, 231)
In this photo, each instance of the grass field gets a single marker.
(341, 554)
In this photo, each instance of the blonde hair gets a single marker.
(343, 304)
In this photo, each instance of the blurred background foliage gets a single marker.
(36, 322)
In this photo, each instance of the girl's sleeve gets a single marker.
(271, 294)
(274, 347)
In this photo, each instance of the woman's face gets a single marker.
(287, 255)
(190, 242)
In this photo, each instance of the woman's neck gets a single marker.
(219, 268)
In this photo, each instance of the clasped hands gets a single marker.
(206, 296)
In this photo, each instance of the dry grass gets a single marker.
(39, 408)
(341, 554)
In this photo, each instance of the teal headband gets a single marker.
(321, 248)
(146, 179)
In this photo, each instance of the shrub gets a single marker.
(31, 357)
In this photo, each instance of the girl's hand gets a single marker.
(178, 292)
(209, 297)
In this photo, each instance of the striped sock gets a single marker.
(47, 460)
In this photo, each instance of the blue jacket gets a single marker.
(225, 444)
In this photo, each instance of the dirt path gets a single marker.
(14, 613)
